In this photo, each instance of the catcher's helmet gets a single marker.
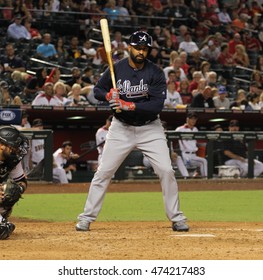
(10, 136)
(140, 38)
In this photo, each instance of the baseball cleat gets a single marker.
(82, 226)
(11, 227)
(180, 226)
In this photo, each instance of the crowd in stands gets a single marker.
(210, 51)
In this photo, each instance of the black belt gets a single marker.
(189, 152)
(135, 123)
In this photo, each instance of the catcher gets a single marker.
(13, 147)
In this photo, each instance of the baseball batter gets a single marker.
(140, 95)
(189, 147)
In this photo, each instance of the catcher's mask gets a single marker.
(14, 139)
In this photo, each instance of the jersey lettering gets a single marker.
(130, 91)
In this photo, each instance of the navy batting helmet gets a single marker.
(140, 38)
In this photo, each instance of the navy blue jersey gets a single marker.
(145, 87)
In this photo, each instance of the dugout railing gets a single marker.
(210, 137)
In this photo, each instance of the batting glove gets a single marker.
(112, 94)
(119, 104)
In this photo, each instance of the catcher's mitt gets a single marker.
(12, 193)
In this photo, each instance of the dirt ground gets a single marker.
(38, 240)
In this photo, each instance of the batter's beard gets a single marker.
(135, 59)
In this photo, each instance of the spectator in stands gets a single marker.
(63, 160)
(224, 16)
(189, 46)
(221, 101)
(89, 51)
(197, 75)
(117, 40)
(144, 8)
(182, 30)
(183, 89)
(253, 88)
(87, 76)
(6, 99)
(155, 57)
(60, 93)
(175, 66)
(34, 32)
(46, 97)
(212, 79)
(166, 49)
(53, 76)
(95, 13)
(124, 15)
(35, 83)
(16, 30)
(257, 77)
(205, 68)
(251, 43)
(46, 49)
(210, 52)
(233, 42)
(235, 153)
(240, 101)
(200, 87)
(240, 56)
(253, 102)
(19, 7)
(203, 99)
(111, 11)
(62, 52)
(261, 100)
(11, 62)
(76, 77)
(184, 65)
(173, 97)
(75, 98)
(189, 148)
(75, 52)
(225, 58)
(240, 23)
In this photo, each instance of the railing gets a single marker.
(249, 137)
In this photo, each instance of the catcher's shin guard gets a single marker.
(6, 229)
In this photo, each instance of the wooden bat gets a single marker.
(107, 45)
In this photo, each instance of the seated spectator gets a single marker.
(205, 68)
(210, 52)
(87, 76)
(16, 30)
(184, 65)
(240, 56)
(34, 32)
(236, 40)
(200, 87)
(224, 16)
(240, 101)
(63, 160)
(221, 101)
(95, 13)
(117, 40)
(60, 93)
(235, 153)
(253, 102)
(251, 43)
(225, 58)
(197, 75)
(35, 83)
(53, 76)
(189, 46)
(175, 66)
(75, 97)
(173, 98)
(240, 23)
(261, 100)
(11, 62)
(6, 98)
(46, 97)
(166, 49)
(62, 52)
(76, 78)
(124, 14)
(183, 89)
(211, 79)
(203, 99)
(46, 49)
(257, 77)
(111, 11)
(89, 51)
(75, 52)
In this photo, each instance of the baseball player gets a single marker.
(101, 137)
(13, 147)
(189, 147)
(140, 95)
(37, 145)
(235, 153)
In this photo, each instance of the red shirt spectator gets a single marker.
(235, 41)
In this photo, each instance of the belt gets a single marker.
(135, 123)
(189, 152)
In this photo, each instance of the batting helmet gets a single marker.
(140, 38)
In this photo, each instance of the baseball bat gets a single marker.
(107, 45)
